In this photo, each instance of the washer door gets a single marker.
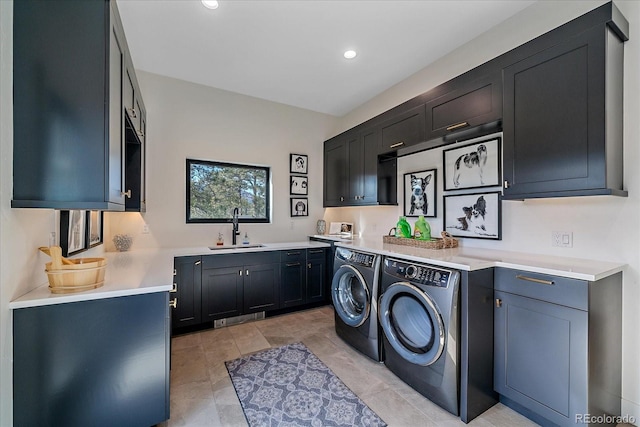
(412, 324)
(350, 295)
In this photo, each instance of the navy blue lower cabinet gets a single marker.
(558, 346)
(92, 363)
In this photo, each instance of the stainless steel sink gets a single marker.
(251, 245)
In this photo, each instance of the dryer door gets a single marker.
(412, 324)
(350, 295)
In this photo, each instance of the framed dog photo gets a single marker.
(476, 215)
(94, 228)
(73, 226)
(420, 193)
(299, 206)
(298, 163)
(473, 165)
(298, 185)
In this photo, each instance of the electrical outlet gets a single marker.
(145, 229)
(562, 239)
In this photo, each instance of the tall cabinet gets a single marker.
(70, 65)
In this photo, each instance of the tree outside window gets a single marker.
(214, 189)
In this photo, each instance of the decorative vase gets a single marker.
(321, 226)
(122, 242)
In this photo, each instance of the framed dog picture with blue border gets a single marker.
(420, 193)
(477, 215)
(473, 165)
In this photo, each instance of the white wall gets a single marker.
(604, 228)
(187, 120)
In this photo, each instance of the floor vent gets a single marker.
(229, 321)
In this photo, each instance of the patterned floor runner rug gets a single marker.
(290, 386)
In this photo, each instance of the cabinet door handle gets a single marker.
(292, 264)
(174, 288)
(247, 272)
(240, 272)
(175, 272)
(173, 303)
(341, 199)
(533, 279)
(506, 184)
(309, 265)
(126, 193)
(457, 126)
(293, 253)
(498, 303)
(397, 144)
(198, 262)
(315, 251)
(133, 113)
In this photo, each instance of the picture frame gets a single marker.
(299, 206)
(298, 185)
(474, 215)
(73, 232)
(298, 163)
(474, 165)
(94, 228)
(420, 193)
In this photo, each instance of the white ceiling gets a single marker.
(291, 51)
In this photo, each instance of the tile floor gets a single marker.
(202, 393)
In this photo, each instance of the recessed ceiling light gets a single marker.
(350, 54)
(210, 4)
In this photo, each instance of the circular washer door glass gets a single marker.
(412, 324)
(350, 295)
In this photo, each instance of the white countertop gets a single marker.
(469, 259)
(140, 272)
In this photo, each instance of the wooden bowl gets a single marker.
(83, 274)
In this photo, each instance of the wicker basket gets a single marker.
(435, 243)
(83, 274)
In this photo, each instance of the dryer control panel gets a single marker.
(417, 273)
(354, 257)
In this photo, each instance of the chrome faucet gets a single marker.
(235, 231)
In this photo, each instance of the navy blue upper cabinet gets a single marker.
(563, 116)
(69, 124)
(466, 105)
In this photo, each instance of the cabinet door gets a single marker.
(316, 275)
(404, 130)
(187, 281)
(103, 362)
(541, 356)
(469, 105)
(356, 170)
(261, 288)
(292, 287)
(116, 143)
(554, 112)
(336, 164)
(221, 292)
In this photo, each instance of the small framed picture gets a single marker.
(298, 163)
(298, 185)
(94, 228)
(420, 193)
(473, 165)
(299, 207)
(73, 229)
(477, 215)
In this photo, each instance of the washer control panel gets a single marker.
(353, 257)
(417, 273)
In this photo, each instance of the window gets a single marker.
(214, 189)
